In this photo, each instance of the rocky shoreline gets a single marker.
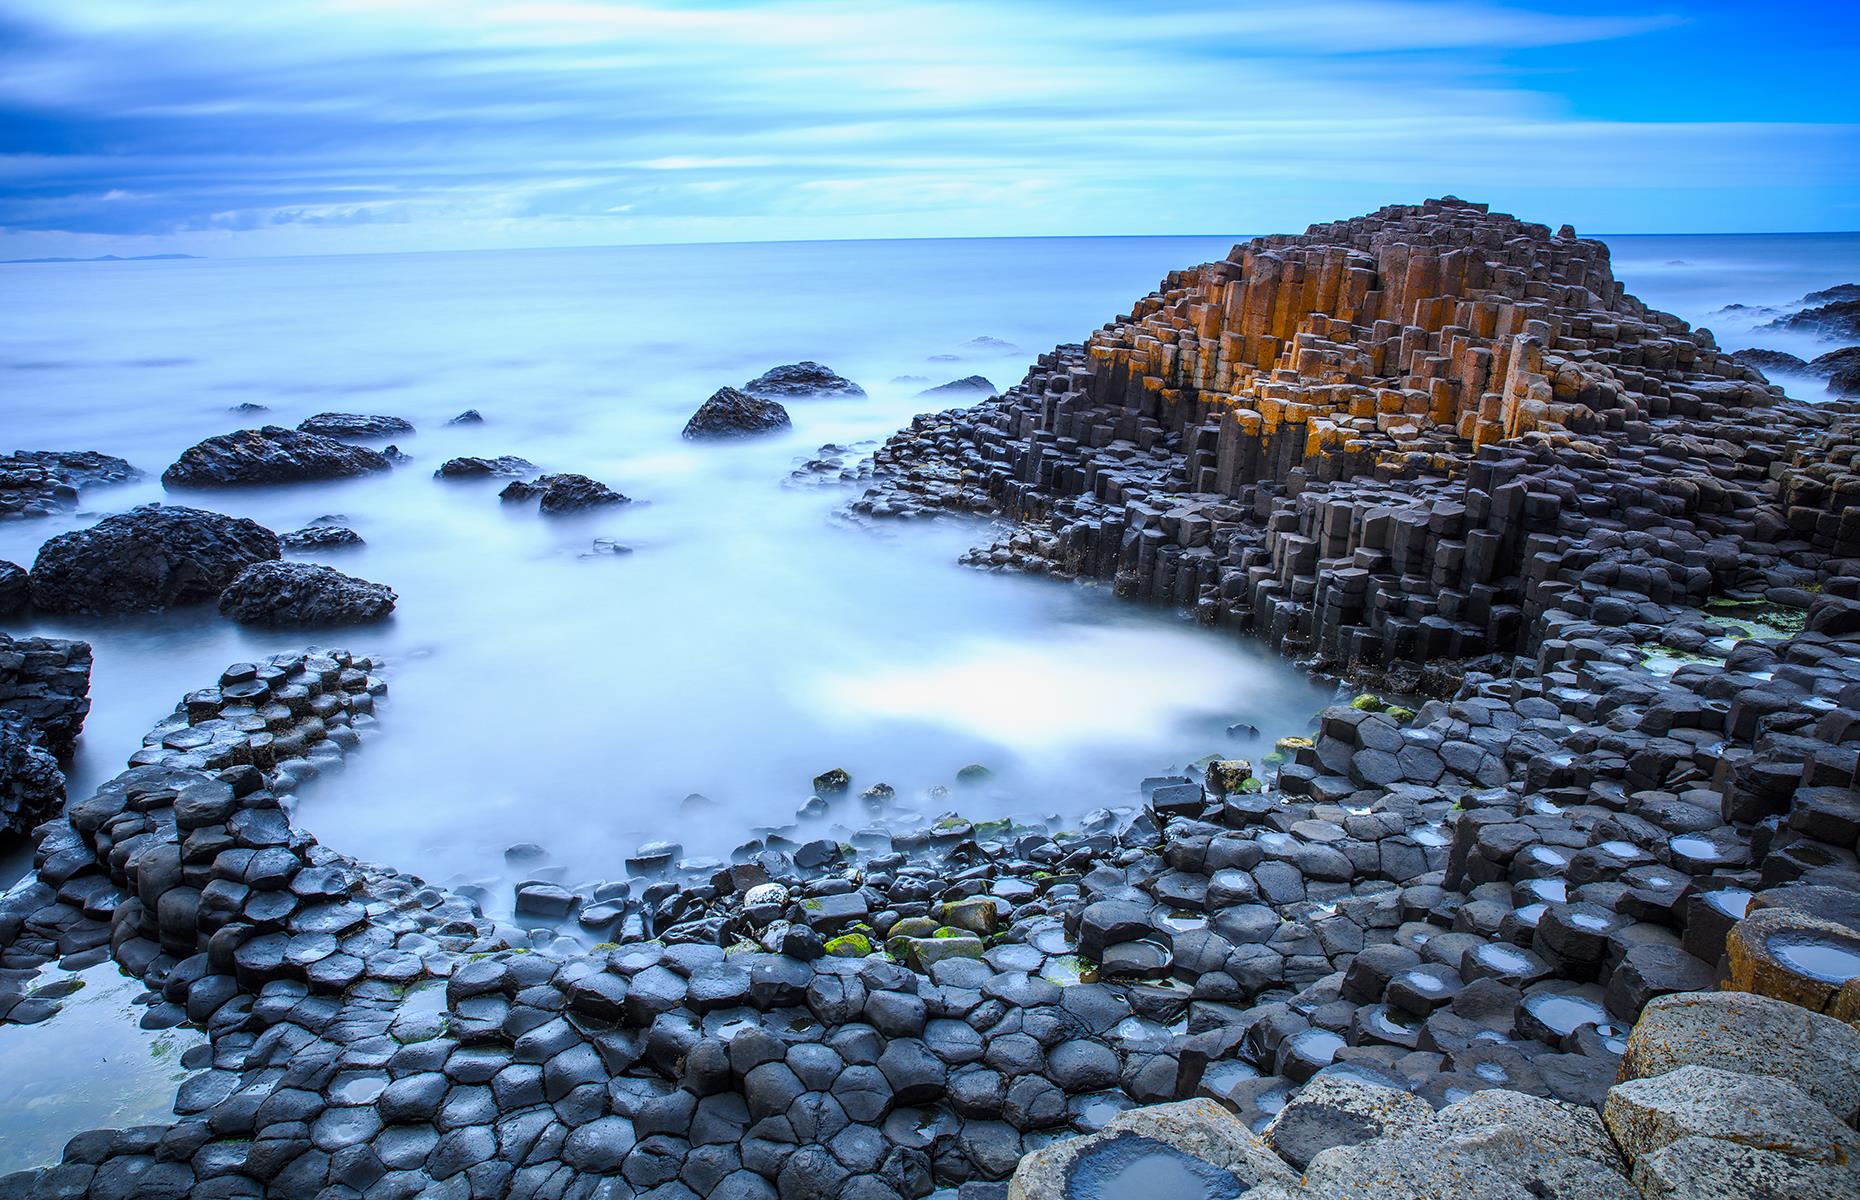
(1461, 940)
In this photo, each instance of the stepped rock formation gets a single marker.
(1393, 438)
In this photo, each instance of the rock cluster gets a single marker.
(37, 483)
(730, 413)
(799, 380)
(152, 557)
(1397, 439)
(289, 594)
(270, 454)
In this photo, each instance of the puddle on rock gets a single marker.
(1818, 956)
(89, 1066)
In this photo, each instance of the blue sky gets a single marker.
(329, 126)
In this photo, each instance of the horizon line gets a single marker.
(177, 256)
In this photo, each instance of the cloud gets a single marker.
(305, 124)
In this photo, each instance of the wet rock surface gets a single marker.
(37, 483)
(967, 388)
(15, 588)
(730, 413)
(271, 454)
(292, 594)
(152, 557)
(354, 425)
(800, 380)
(505, 465)
(321, 536)
(559, 495)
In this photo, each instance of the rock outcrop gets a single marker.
(292, 594)
(153, 557)
(730, 413)
(15, 588)
(504, 465)
(271, 454)
(45, 682)
(800, 380)
(321, 536)
(354, 425)
(32, 788)
(37, 483)
(559, 495)
(969, 387)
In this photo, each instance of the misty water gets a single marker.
(541, 693)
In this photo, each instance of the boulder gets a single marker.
(354, 425)
(36, 483)
(321, 537)
(32, 788)
(1339, 1110)
(561, 494)
(271, 454)
(1770, 360)
(1192, 1144)
(730, 413)
(801, 379)
(1647, 1115)
(1702, 1168)
(505, 465)
(1755, 1035)
(470, 416)
(968, 387)
(15, 589)
(280, 593)
(149, 558)
(1493, 1144)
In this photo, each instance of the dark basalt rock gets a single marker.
(1837, 318)
(470, 416)
(730, 413)
(153, 557)
(280, 593)
(561, 494)
(955, 389)
(15, 590)
(36, 483)
(1770, 360)
(801, 379)
(45, 682)
(354, 425)
(1834, 360)
(1845, 381)
(32, 788)
(321, 537)
(271, 454)
(1840, 291)
(505, 465)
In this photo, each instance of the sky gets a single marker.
(255, 127)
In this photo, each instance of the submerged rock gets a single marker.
(730, 413)
(36, 483)
(354, 425)
(271, 454)
(280, 593)
(968, 385)
(505, 465)
(562, 494)
(149, 558)
(470, 416)
(804, 378)
(321, 537)
(1837, 318)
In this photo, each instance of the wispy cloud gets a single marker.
(363, 124)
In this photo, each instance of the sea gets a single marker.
(543, 691)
